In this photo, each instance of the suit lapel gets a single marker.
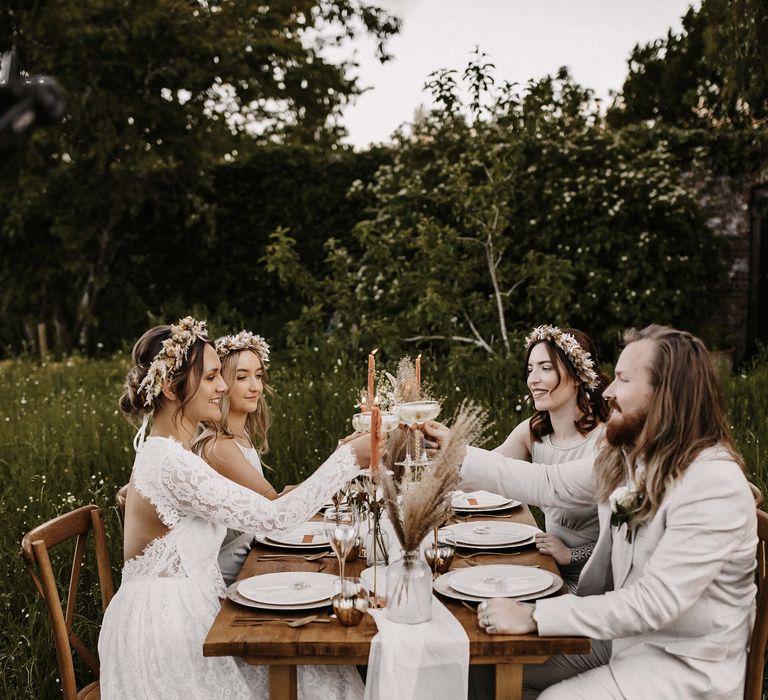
(623, 552)
(596, 578)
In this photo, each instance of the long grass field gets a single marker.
(64, 445)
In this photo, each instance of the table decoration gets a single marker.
(440, 550)
(350, 601)
(423, 503)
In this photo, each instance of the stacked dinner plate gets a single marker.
(309, 535)
(493, 534)
(284, 590)
(481, 502)
(478, 583)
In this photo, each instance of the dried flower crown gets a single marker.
(578, 357)
(170, 359)
(243, 341)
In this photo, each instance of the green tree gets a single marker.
(714, 72)
(159, 94)
(518, 209)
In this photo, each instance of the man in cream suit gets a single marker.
(671, 579)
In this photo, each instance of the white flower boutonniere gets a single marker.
(625, 503)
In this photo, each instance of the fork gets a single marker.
(290, 621)
(305, 557)
(487, 554)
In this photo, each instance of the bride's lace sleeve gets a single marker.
(179, 482)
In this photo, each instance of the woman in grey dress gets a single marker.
(567, 391)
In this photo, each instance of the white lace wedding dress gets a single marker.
(151, 642)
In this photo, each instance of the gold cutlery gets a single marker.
(290, 621)
(305, 557)
(488, 554)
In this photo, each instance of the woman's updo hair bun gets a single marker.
(132, 402)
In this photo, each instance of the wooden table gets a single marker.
(283, 648)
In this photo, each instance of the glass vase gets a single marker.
(376, 545)
(409, 590)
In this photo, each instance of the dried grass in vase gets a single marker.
(424, 502)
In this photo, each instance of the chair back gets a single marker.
(753, 688)
(120, 496)
(35, 546)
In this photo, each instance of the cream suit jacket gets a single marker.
(678, 601)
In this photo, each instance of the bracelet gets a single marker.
(581, 552)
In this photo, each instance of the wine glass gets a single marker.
(341, 528)
(411, 414)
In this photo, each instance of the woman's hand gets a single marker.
(504, 616)
(554, 547)
(361, 444)
(437, 434)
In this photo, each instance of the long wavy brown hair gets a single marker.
(256, 423)
(590, 402)
(685, 417)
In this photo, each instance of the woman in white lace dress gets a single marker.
(567, 391)
(177, 511)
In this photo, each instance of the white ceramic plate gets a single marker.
(287, 587)
(480, 500)
(442, 585)
(482, 533)
(506, 506)
(523, 543)
(309, 534)
(366, 576)
(500, 580)
(235, 597)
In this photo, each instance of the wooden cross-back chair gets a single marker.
(753, 688)
(35, 546)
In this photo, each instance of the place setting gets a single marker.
(478, 502)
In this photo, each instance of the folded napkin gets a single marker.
(474, 498)
(412, 662)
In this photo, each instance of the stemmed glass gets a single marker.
(411, 414)
(341, 528)
(362, 423)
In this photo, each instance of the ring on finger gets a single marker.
(491, 629)
(483, 620)
(482, 607)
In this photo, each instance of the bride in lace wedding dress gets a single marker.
(177, 512)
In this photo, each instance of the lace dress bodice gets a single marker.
(197, 504)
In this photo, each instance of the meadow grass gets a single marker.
(64, 445)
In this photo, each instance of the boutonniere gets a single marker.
(625, 503)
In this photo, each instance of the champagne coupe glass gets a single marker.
(411, 414)
(341, 528)
(362, 422)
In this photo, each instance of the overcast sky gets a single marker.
(524, 39)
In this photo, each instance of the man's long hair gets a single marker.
(685, 417)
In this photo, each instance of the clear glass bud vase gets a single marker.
(376, 545)
(409, 590)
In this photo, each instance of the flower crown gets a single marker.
(578, 357)
(170, 359)
(243, 341)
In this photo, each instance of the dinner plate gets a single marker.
(235, 597)
(480, 500)
(501, 547)
(442, 585)
(366, 576)
(287, 587)
(482, 533)
(500, 580)
(494, 509)
(308, 534)
(306, 548)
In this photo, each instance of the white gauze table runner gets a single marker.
(412, 662)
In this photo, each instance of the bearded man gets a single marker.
(670, 581)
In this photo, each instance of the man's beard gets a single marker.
(622, 429)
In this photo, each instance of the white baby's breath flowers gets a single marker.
(244, 340)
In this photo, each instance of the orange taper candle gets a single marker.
(418, 374)
(371, 378)
(375, 428)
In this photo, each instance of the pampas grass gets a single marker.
(425, 503)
